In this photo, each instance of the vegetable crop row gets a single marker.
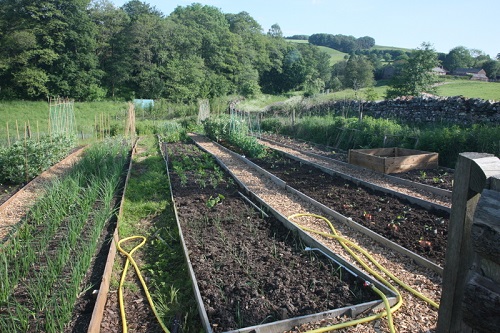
(25, 159)
(234, 131)
(47, 259)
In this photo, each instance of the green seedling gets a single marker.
(214, 201)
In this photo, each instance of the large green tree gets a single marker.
(458, 57)
(48, 48)
(206, 34)
(415, 76)
(358, 73)
(112, 46)
(492, 68)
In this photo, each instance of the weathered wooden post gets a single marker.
(470, 300)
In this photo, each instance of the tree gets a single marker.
(147, 53)
(415, 76)
(275, 31)
(112, 45)
(354, 73)
(56, 55)
(291, 74)
(206, 33)
(136, 8)
(458, 57)
(252, 52)
(366, 42)
(317, 62)
(492, 68)
(358, 73)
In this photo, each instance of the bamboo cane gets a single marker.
(8, 134)
(25, 155)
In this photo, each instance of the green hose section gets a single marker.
(345, 243)
(144, 286)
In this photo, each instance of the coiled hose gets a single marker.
(346, 244)
(144, 286)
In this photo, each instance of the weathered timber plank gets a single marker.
(485, 232)
(368, 161)
(459, 249)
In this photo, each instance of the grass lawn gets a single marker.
(471, 89)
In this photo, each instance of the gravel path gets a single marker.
(14, 209)
(414, 315)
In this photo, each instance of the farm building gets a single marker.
(439, 71)
(477, 74)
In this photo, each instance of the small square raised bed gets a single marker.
(393, 160)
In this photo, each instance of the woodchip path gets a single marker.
(414, 315)
(14, 209)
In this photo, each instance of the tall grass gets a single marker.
(349, 133)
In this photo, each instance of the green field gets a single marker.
(36, 114)
(381, 47)
(335, 56)
(470, 89)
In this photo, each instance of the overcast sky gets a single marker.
(400, 23)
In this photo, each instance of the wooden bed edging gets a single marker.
(343, 219)
(414, 200)
(288, 324)
(398, 180)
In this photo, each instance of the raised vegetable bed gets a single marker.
(249, 270)
(393, 160)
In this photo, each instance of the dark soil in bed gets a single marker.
(440, 177)
(421, 231)
(249, 268)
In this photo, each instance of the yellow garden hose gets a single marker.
(345, 243)
(124, 274)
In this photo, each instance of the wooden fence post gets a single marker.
(471, 174)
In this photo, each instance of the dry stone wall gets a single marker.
(451, 110)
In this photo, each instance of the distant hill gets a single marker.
(335, 56)
(380, 47)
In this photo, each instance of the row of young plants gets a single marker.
(350, 133)
(234, 131)
(44, 262)
(26, 159)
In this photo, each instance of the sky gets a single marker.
(444, 24)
